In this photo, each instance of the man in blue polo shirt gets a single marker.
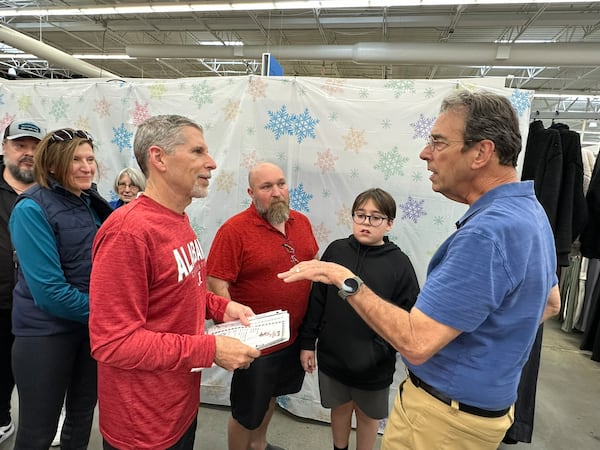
(488, 287)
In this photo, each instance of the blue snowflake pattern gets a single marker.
(202, 94)
(386, 123)
(122, 137)
(354, 173)
(412, 209)
(363, 93)
(520, 101)
(1, 99)
(300, 125)
(333, 116)
(280, 122)
(401, 87)
(303, 126)
(299, 199)
(422, 126)
(438, 220)
(391, 163)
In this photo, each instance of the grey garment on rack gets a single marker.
(569, 289)
(593, 273)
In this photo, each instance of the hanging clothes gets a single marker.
(572, 207)
(591, 278)
(590, 236)
(591, 336)
(543, 163)
(590, 247)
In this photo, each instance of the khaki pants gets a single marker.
(419, 421)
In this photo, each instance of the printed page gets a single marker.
(265, 330)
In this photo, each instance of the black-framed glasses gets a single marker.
(439, 144)
(68, 134)
(292, 252)
(359, 218)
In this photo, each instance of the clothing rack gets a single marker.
(556, 115)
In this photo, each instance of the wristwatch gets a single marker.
(350, 286)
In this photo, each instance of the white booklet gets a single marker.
(265, 330)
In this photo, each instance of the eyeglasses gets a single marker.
(124, 186)
(67, 134)
(438, 145)
(292, 253)
(360, 218)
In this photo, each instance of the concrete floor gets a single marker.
(566, 414)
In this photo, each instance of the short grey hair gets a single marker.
(163, 131)
(136, 177)
(488, 116)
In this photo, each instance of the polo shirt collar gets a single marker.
(520, 188)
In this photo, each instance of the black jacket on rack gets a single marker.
(543, 164)
(572, 209)
(590, 248)
(590, 236)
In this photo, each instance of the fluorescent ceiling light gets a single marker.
(152, 8)
(228, 43)
(526, 41)
(17, 56)
(99, 56)
(566, 97)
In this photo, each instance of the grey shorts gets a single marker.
(374, 404)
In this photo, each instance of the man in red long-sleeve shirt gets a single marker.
(148, 299)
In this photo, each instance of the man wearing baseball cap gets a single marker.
(16, 175)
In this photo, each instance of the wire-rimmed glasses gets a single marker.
(123, 186)
(440, 144)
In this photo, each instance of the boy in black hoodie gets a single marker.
(356, 366)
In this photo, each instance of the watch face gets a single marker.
(350, 285)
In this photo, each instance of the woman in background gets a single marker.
(52, 226)
(128, 184)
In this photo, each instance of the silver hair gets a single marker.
(163, 131)
(137, 178)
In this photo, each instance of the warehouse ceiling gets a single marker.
(549, 47)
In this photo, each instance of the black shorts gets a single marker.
(269, 376)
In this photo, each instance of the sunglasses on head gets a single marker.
(67, 134)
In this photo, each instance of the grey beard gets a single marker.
(277, 213)
(25, 176)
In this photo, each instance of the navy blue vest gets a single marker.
(74, 227)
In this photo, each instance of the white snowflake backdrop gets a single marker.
(333, 137)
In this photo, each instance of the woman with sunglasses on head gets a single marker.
(128, 184)
(356, 365)
(52, 226)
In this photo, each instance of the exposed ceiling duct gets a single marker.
(548, 54)
(51, 54)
